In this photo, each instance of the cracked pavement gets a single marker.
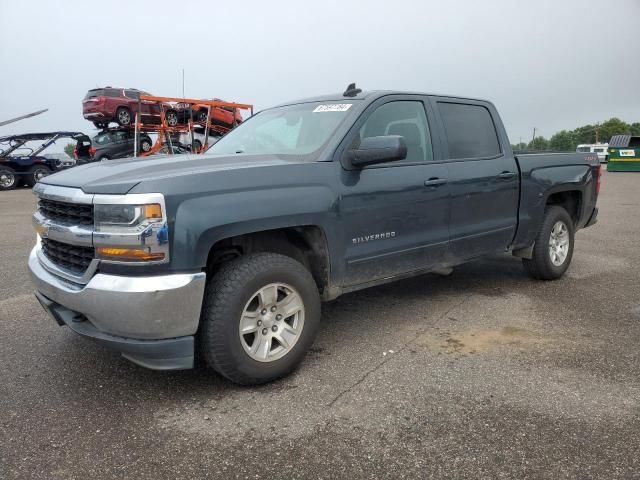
(481, 374)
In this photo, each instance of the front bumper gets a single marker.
(158, 314)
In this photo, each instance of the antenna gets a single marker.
(352, 91)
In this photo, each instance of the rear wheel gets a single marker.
(553, 249)
(201, 117)
(123, 116)
(7, 178)
(197, 145)
(35, 174)
(260, 316)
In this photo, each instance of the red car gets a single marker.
(120, 105)
(224, 116)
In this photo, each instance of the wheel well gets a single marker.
(570, 201)
(306, 244)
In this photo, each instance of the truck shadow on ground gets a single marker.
(91, 370)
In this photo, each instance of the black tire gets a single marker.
(8, 178)
(197, 145)
(35, 173)
(123, 116)
(541, 266)
(227, 295)
(172, 118)
(201, 117)
(145, 144)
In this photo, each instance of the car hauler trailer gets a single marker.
(624, 154)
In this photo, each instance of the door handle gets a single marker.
(434, 182)
(506, 175)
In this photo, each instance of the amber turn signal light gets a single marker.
(128, 254)
(152, 210)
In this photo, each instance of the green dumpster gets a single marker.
(624, 154)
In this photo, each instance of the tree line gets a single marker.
(568, 140)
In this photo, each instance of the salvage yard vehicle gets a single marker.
(112, 144)
(224, 116)
(600, 149)
(228, 255)
(120, 105)
(20, 163)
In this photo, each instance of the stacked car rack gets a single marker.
(166, 132)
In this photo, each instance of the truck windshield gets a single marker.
(290, 130)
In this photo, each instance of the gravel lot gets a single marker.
(482, 374)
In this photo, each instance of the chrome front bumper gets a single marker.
(144, 308)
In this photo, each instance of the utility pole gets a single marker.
(534, 134)
(597, 132)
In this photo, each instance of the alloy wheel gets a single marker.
(559, 243)
(271, 322)
(7, 179)
(124, 117)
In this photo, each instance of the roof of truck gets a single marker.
(372, 95)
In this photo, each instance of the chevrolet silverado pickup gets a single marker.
(226, 257)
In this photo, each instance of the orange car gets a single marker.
(227, 117)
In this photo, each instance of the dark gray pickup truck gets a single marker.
(227, 256)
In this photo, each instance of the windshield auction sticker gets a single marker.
(334, 107)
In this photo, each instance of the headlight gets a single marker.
(126, 216)
(131, 232)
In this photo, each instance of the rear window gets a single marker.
(102, 92)
(470, 130)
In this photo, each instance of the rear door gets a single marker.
(483, 179)
(395, 215)
(121, 144)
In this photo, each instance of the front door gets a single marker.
(395, 215)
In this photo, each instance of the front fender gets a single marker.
(202, 222)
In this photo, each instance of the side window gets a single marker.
(404, 118)
(132, 94)
(121, 137)
(470, 130)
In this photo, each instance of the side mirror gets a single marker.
(373, 150)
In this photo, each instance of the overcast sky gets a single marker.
(551, 64)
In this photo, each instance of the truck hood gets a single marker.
(120, 176)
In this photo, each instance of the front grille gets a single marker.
(71, 257)
(70, 213)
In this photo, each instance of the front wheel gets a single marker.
(260, 316)
(553, 249)
(145, 145)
